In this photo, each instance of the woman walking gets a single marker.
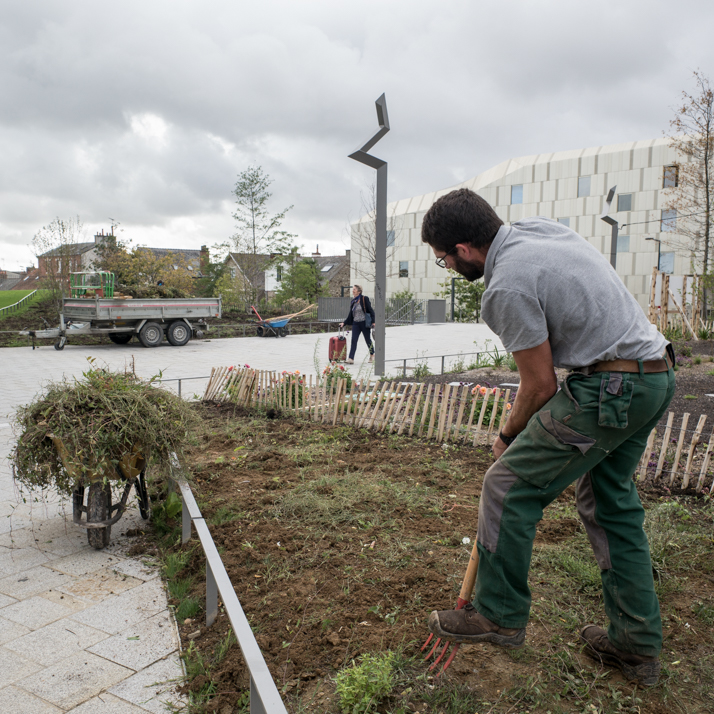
(361, 317)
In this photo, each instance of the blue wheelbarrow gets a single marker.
(275, 326)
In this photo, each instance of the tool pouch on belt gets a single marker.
(615, 397)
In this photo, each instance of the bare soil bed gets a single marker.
(340, 542)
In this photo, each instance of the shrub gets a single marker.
(361, 687)
(333, 372)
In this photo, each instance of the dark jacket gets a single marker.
(366, 306)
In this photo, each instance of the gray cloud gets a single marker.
(147, 112)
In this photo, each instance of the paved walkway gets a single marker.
(89, 632)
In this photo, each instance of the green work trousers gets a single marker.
(593, 431)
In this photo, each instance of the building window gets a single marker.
(278, 273)
(666, 262)
(517, 194)
(624, 202)
(390, 239)
(564, 221)
(326, 268)
(233, 273)
(583, 186)
(669, 221)
(671, 177)
(403, 268)
(623, 244)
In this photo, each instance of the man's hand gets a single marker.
(498, 448)
(538, 385)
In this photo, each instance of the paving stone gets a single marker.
(74, 680)
(75, 604)
(31, 582)
(54, 642)
(138, 569)
(100, 585)
(141, 644)
(6, 600)
(35, 612)
(108, 704)
(9, 630)
(14, 667)
(84, 562)
(121, 611)
(16, 560)
(18, 701)
(154, 688)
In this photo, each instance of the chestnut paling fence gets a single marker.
(436, 411)
(676, 456)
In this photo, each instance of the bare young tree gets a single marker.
(363, 238)
(259, 239)
(55, 246)
(690, 183)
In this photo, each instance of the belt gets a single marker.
(627, 365)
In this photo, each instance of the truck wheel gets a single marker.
(61, 342)
(98, 509)
(178, 333)
(151, 334)
(121, 338)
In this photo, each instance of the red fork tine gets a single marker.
(464, 597)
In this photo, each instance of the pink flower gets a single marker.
(474, 391)
(230, 369)
(483, 390)
(493, 391)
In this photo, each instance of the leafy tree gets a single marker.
(467, 297)
(259, 237)
(692, 195)
(140, 267)
(59, 238)
(302, 280)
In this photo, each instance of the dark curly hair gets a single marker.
(460, 216)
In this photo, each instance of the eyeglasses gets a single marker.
(441, 262)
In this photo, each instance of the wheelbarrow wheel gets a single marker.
(260, 331)
(142, 496)
(99, 504)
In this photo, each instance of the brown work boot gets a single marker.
(467, 625)
(637, 668)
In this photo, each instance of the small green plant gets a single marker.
(690, 396)
(361, 687)
(498, 359)
(512, 363)
(189, 607)
(421, 370)
(705, 333)
(697, 360)
(711, 372)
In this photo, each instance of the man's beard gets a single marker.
(471, 271)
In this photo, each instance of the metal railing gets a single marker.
(15, 306)
(406, 312)
(264, 695)
(424, 360)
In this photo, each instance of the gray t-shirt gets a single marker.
(544, 281)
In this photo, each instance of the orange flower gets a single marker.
(474, 391)
(508, 407)
(483, 390)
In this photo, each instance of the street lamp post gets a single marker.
(659, 249)
(380, 219)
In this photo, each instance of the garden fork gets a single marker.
(464, 598)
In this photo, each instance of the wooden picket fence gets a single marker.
(435, 411)
(664, 460)
(445, 413)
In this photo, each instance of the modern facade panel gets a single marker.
(568, 185)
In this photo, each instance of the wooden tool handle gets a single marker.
(470, 578)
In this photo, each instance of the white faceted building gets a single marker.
(569, 186)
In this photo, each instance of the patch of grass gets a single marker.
(189, 607)
(361, 687)
(174, 563)
(225, 514)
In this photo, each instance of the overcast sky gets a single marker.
(146, 111)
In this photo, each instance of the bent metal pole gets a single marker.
(380, 277)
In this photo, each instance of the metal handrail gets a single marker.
(264, 695)
(16, 305)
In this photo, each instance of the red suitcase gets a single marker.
(338, 348)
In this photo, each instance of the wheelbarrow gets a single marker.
(100, 514)
(274, 326)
